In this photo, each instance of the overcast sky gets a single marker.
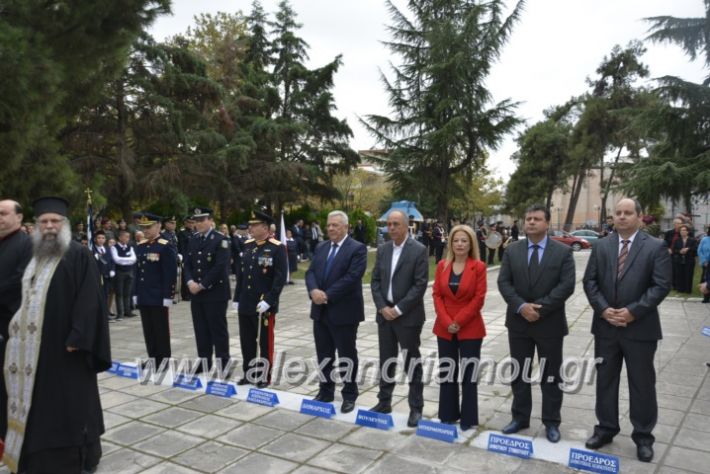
(554, 48)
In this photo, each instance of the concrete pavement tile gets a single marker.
(696, 421)
(207, 403)
(261, 463)
(483, 461)
(693, 439)
(174, 396)
(295, 447)
(210, 456)
(329, 430)
(132, 432)
(687, 459)
(393, 464)
(210, 426)
(112, 420)
(168, 444)
(250, 436)
(139, 408)
(126, 461)
(283, 420)
(172, 417)
(345, 459)
(244, 411)
(310, 470)
(374, 439)
(169, 468)
(111, 399)
(426, 449)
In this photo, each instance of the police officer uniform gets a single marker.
(207, 264)
(155, 284)
(262, 275)
(172, 239)
(183, 242)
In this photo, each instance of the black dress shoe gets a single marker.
(347, 406)
(262, 384)
(644, 452)
(707, 363)
(514, 426)
(597, 441)
(243, 381)
(382, 407)
(321, 397)
(414, 417)
(552, 433)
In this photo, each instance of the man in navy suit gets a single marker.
(334, 282)
(106, 265)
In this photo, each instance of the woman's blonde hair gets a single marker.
(473, 251)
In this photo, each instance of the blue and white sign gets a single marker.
(219, 389)
(371, 419)
(706, 331)
(593, 461)
(262, 397)
(436, 430)
(187, 382)
(127, 371)
(316, 408)
(518, 447)
(115, 365)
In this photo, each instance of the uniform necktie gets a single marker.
(329, 261)
(622, 257)
(534, 264)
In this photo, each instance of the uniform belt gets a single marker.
(124, 268)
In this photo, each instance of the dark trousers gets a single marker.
(122, 287)
(491, 255)
(391, 335)
(330, 338)
(209, 319)
(461, 353)
(522, 348)
(683, 272)
(248, 330)
(156, 332)
(703, 276)
(106, 284)
(438, 251)
(638, 356)
(482, 250)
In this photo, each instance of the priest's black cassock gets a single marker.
(65, 420)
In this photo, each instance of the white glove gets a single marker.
(235, 305)
(111, 274)
(179, 258)
(135, 301)
(262, 307)
(167, 302)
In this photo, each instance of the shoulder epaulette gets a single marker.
(163, 242)
(274, 241)
(250, 241)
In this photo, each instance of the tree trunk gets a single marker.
(574, 197)
(607, 188)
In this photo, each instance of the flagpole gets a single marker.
(89, 219)
(282, 237)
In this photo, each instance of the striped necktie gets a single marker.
(622, 257)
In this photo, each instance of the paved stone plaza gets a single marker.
(158, 429)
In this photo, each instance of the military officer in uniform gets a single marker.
(168, 233)
(206, 269)
(154, 287)
(261, 277)
(183, 239)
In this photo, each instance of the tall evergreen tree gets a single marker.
(443, 121)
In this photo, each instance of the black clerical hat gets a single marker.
(53, 204)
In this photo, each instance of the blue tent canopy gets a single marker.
(408, 207)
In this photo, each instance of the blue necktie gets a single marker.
(329, 261)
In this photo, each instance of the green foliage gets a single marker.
(368, 221)
(442, 121)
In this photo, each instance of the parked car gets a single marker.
(577, 243)
(587, 234)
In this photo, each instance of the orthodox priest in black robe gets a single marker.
(58, 342)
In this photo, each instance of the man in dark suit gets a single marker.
(536, 278)
(207, 276)
(334, 282)
(399, 281)
(106, 265)
(627, 277)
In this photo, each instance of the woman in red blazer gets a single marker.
(459, 291)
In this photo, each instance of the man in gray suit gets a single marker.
(536, 277)
(627, 277)
(399, 280)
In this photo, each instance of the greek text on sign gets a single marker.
(226, 390)
(183, 381)
(706, 331)
(435, 430)
(592, 461)
(316, 408)
(373, 419)
(262, 397)
(518, 447)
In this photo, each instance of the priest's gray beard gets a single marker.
(51, 243)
